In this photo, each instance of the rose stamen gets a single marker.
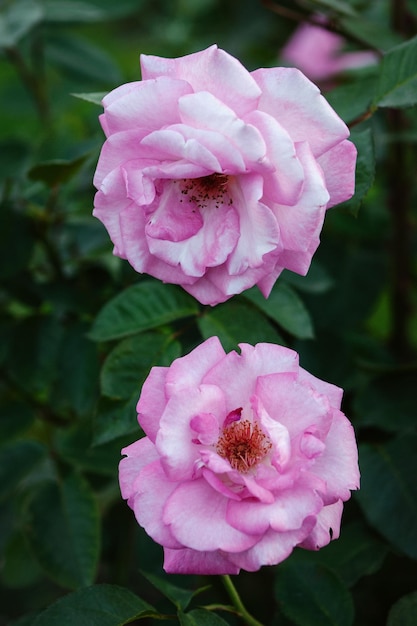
(243, 444)
(206, 191)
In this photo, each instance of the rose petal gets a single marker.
(148, 104)
(152, 489)
(286, 513)
(138, 455)
(188, 561)
(338, 165)
(174, 439)
(202, 70)
(197, 518)
(326, 528)
(272, 548)
(338, 465)
(289, 97)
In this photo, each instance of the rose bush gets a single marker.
(245, 457)
(216, 178)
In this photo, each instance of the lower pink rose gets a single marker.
(245, 457)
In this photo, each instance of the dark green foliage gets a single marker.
(80, 330)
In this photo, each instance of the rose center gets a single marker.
(207, 191)
(243, 444)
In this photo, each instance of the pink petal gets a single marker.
(117, 150)
(276, 431)
(210, 246)
(202, 70)
(333, 393)
(222, 147)
(171, 218)
(338, 465)
(149, 104)
(237, 374)
(169, 144)
(287, 513)
(204, 110)
(138, 455)
(289, 97)
(295, 406)
(152, 491)
(188, 561)
(109, 201)
(326, 528)
(285, 182)
(174, 439)
(272, 548)
(189, 370)
(206, 426)
(258, 228)
(338, 165)
(197, 518)
(301, 224)
(152, 401)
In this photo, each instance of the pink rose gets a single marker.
(319, 53)
(215, 178)
(245, 457)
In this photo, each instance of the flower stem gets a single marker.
(237, 602)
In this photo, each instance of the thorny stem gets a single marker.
(237, 602)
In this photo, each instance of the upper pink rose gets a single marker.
(216, 178)
(245, 457)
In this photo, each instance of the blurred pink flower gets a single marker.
(217, 179)
(319, 53)
(245, 457)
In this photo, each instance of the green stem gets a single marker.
(237, 602)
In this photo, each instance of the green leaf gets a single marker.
(17, 461)
(141, 307)
(95, 97)
(16, 417)
(71, 11)
(388, 402)
(16, 242)
(19, 567)
(76, 388)
(388, 485)
(17, 19)
(128, 364)
(115, 418)
(237, 322)
(179, 596)
(98, 605)
(354, 99)
(63, 531)
(56, 172)
(286, 308)
(404, 612)
(398, 77)
(357, 553)
(77, 447)
(317, 280)
(310, 594)
(365, 169)
(372, 32)
(200, 617)
(82, 59)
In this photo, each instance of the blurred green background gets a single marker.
(70, 380)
